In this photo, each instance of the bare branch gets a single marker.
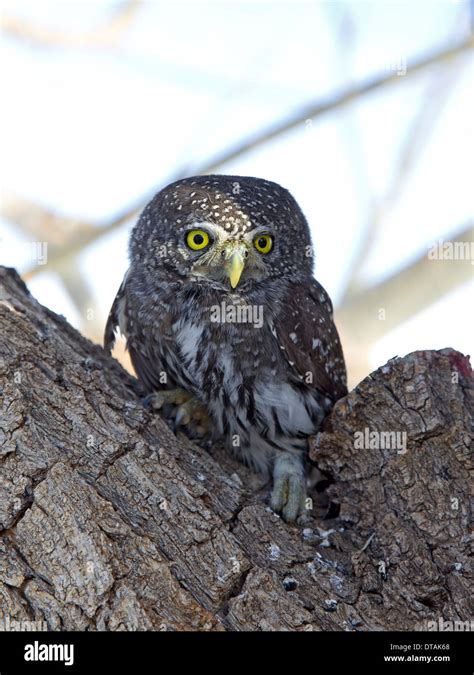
(77, 286)
(87, 234)
(406, 292)
(152, 532)
(105, 35)
(38, 222)
(338, 101)
(417, 136)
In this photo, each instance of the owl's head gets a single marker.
(231, 231)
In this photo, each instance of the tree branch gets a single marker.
(106, 35)
(406, 292)
(108, 521)
(87, 234)
(418, 133)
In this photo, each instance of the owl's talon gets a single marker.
(289, 487)
(193, 415)
(182, 410)
(166, 397)
(148, 401)
(183, 417)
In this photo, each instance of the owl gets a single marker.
(225, 322)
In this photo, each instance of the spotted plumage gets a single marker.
(220, 301)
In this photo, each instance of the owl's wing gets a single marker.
(308, 339)
(141, 341)
(116, 318)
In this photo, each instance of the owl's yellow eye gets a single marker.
(263, 243)
(197, 239)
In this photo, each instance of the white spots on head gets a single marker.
(255, 206)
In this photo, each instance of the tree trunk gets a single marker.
(111, 522)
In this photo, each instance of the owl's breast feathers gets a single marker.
(280, 370)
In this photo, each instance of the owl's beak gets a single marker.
(236, 267)
(236, 264)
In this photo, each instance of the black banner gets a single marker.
(61, 652)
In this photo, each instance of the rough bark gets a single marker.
(110, 522)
